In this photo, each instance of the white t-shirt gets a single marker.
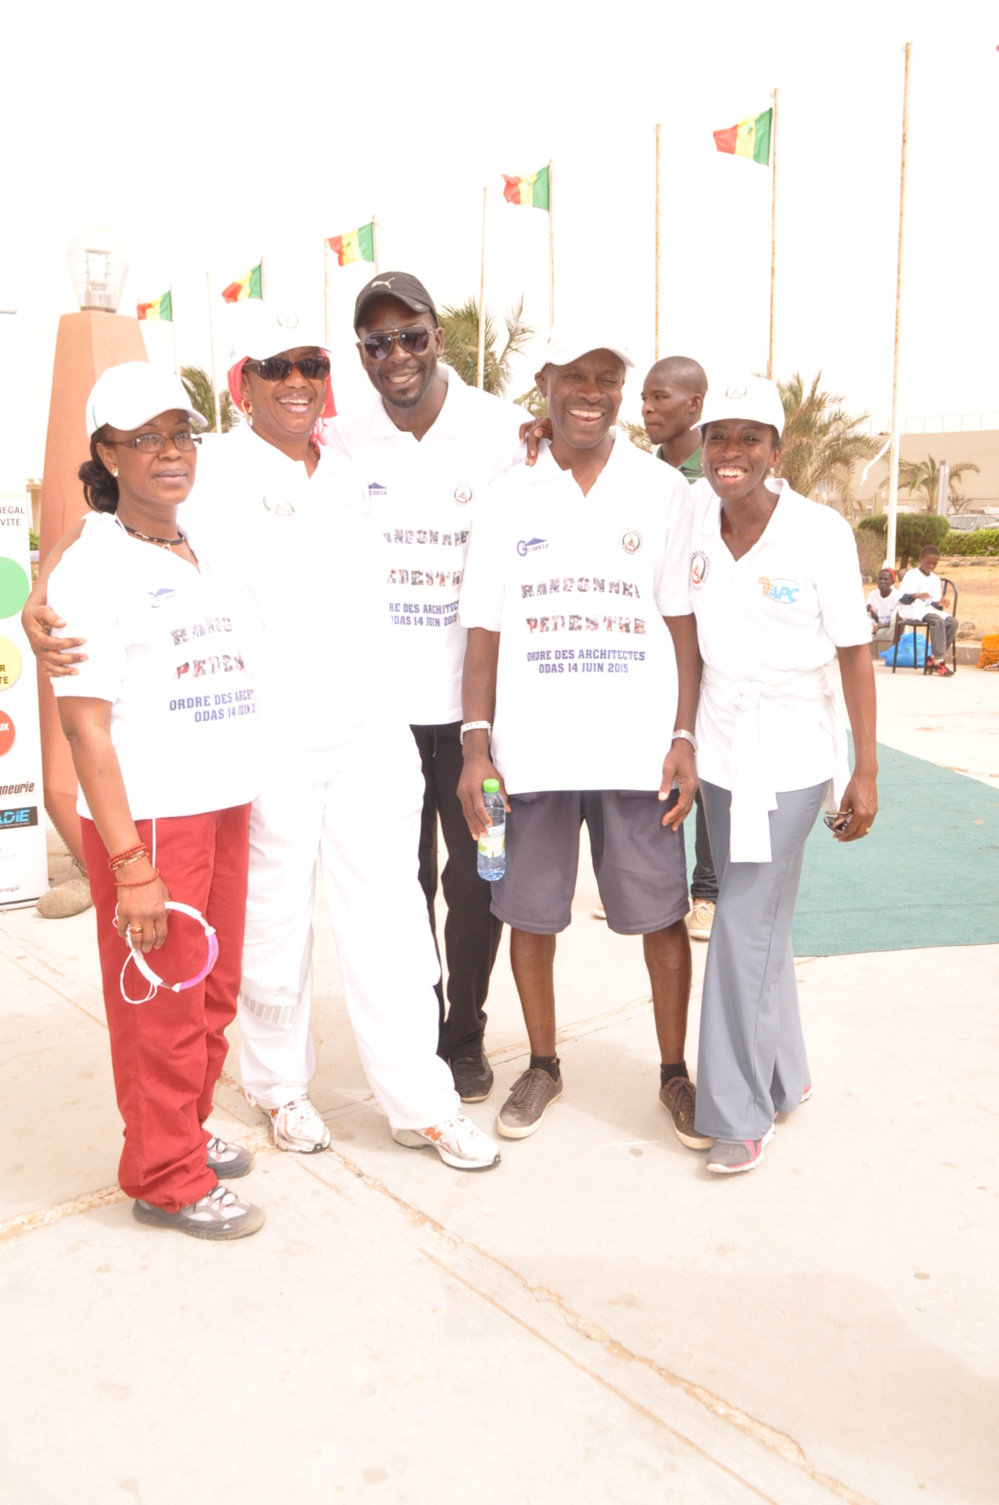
(883, 606)
(424, 494)
(913, 583)
(577, 586)
(784, 607)
(171, 648)
(313, 563)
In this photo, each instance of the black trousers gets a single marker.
(471, 933)
(704, 882)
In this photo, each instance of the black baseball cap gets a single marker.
(403, 286)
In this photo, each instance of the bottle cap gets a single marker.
(490, 786)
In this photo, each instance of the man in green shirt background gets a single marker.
(672, 398)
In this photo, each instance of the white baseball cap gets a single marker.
(565, 347)
(752, 399)
(258, 330)
(129, 395)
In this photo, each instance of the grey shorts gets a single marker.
(639, 864)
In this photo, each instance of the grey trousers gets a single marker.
(943, 631)
(751, 1061)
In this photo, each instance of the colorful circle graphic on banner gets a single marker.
(14, 587)
(10, 664)
(6, 734)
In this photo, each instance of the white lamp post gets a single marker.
(98, 265)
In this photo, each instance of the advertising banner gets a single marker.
(23, 864)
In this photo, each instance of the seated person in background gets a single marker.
(883, 600)
(921, 597)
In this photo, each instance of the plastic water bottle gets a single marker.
(492, 846)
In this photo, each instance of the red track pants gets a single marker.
(167, 1054)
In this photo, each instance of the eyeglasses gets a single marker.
(414, 341)
(279, 368)
(152, 444)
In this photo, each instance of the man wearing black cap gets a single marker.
(428, 446)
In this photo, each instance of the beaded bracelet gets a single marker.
(140, 882)
(127, 861)
(130, 854)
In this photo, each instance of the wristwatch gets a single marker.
(681, 731)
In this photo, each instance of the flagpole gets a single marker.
(326, 291)
(659, 130)
(481, 359)
(773, 232)
(374, 240)
(211, 341)
(893, 468)
(173, 326)
(551, 246)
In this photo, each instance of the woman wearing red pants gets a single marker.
(161, 719)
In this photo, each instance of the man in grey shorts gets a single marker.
(580, 688)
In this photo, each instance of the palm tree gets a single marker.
(460, 324)
(636, 433)
(198, 385)
(820, 443)
(533, 401)
(923, 478)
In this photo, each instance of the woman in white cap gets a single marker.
(161, 721)
(776, 590)
(341, 776)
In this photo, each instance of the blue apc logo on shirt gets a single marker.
(375, 488)
(531, 545)
(785, 591)
(161, 597)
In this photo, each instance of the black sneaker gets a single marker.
(219, 1215)
(228, 1161)
(473, 1075)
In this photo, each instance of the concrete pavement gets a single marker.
(597, 1319)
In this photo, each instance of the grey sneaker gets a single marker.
(730, 1156)
(228, 1161)
(679, 1099)
(531, 1095)
(473, 1075)
(219, 1215)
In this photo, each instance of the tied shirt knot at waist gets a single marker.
(753, 792)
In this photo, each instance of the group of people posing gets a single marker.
(318, 644)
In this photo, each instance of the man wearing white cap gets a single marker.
(342, 780)
(776, 590)
(580, 694)
(428, 446)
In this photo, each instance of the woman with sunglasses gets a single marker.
(161, 721)
(776, 590)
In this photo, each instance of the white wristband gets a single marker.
(474, 726)
(687, 737)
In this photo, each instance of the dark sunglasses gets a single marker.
(279, 368)
(414, 341)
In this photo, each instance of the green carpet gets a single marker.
(928, 874)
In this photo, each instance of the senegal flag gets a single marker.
(750, 138)
(356, 245)
(247, 286)
(532, 191)
(159, 308)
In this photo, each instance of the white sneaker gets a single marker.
(296, 1126)
(700, 920)
(458, 1142)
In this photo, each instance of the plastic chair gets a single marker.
(901, 627)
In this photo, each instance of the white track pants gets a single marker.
(357, 807)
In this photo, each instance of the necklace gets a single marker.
(164, 543)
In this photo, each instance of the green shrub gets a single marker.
(913, 531)
(33, 539)
(983, 542)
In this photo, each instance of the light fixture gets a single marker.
(98, 265)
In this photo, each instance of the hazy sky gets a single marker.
(206, 138)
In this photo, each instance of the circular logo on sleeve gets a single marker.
(700, 564)
(463, 495)
(279, 506)
(631, 541)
